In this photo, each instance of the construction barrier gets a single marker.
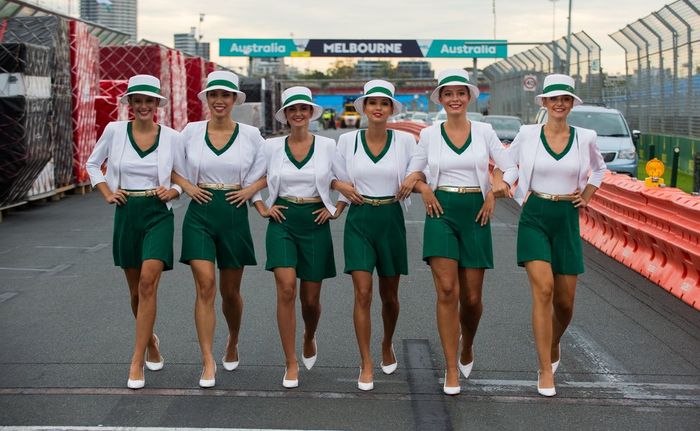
(655, 231)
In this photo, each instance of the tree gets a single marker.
(341, 69)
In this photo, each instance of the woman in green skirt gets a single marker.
(374, 170)
(559, 170)
(139, 157)
(298, 240)
(459, 201)
(219, 162)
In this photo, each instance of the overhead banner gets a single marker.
(428, 48)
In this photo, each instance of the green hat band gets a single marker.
(453, 78)
(148, 88)
(379, 90)
(223, 83)
(296, 97)
(558, 87)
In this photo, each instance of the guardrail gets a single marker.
(654, 231)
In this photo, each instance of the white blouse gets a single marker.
(556, 177)
(138, 173)
(375, 177)
(458, 169)
(298, 182)
(220, 166)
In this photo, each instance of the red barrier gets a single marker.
(408, 126)
(84, 54)
(178, 89)
(196, 79)
(655, 231)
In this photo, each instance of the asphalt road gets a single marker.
(629, 360)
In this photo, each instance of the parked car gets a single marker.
(615, 142)
(419, 117)
(505, 126)
(442, 116)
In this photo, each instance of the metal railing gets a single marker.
(508, 96)
(662, 83)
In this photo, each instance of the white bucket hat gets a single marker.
(222, 80)
(456, 77)
(294, 96)
(378, 88)
(144, 84)
(558, 85)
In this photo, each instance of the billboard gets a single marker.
(428, 48)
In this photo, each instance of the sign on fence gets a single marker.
(529, 82)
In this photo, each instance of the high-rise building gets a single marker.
(188, 43)
(116, 14)
(368, 69)
(267, 66)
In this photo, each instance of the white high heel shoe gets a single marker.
(137, 383)
(207, 383)
(545, 392)
(155, 366)
(289, 383)
(450, 390)
(230, 366)
(555, 365)
(309, 362)
(389, 369)
(364, 386)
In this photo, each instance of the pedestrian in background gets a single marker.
(559, 170)
(298, 240)
(217, 165)
(375, 169)
(459, 202)
(139, 156)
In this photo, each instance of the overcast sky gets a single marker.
(516, 21)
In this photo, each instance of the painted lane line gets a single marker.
(92, 249)
(7, 296)
(432, 397)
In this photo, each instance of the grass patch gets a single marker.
(685, 181)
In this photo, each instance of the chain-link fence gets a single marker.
(659, 93)
(662, 76)
(508, 94)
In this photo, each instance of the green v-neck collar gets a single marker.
(139, 151)
(225, 147)
(378, 157)
(551, 152)
(299, 164)
(453, 146)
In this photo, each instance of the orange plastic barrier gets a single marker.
(655, 231)
(407, 126)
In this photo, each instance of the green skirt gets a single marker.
(375, 236)
(300, 243)
(455, 234)
(549, 231)
(143, 229)
(218, 232)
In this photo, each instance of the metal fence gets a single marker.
(508, 96)
(660, 93)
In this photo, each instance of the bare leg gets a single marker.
(362, 282)
(564, 293)
(542, 285)
(232, 306)
(471, 282)
(151, 270)
(310, 295)
(204, 312)
(286, 281)
(132, 279)
(444, 272)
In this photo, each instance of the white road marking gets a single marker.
(6, 296)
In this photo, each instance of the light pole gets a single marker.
(554, 10)
(494, 19)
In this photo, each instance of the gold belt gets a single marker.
(141, 194)
(377, 202)
(554, 198)
(454, 189)
(219, 186)
(298, 200)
